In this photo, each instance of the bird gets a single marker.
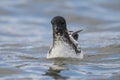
(65, 43)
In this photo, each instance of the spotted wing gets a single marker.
(75, 34)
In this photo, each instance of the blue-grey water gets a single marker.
(26, 34)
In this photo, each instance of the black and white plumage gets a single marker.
(65, 43)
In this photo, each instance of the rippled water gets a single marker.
(26, 34)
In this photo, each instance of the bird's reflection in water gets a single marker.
(55, 74)
(58, 66)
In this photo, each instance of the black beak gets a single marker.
(59, 30)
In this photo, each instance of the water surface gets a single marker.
(26, 34)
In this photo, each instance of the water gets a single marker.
(26, 34)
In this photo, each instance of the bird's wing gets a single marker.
(76, 32)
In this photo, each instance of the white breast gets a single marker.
(62, 49)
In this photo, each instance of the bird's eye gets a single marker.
(62, 23)
(52, 23)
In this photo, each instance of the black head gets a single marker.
(59, 25)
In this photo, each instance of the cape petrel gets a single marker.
(65, 43)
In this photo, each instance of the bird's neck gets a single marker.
(64, 38)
